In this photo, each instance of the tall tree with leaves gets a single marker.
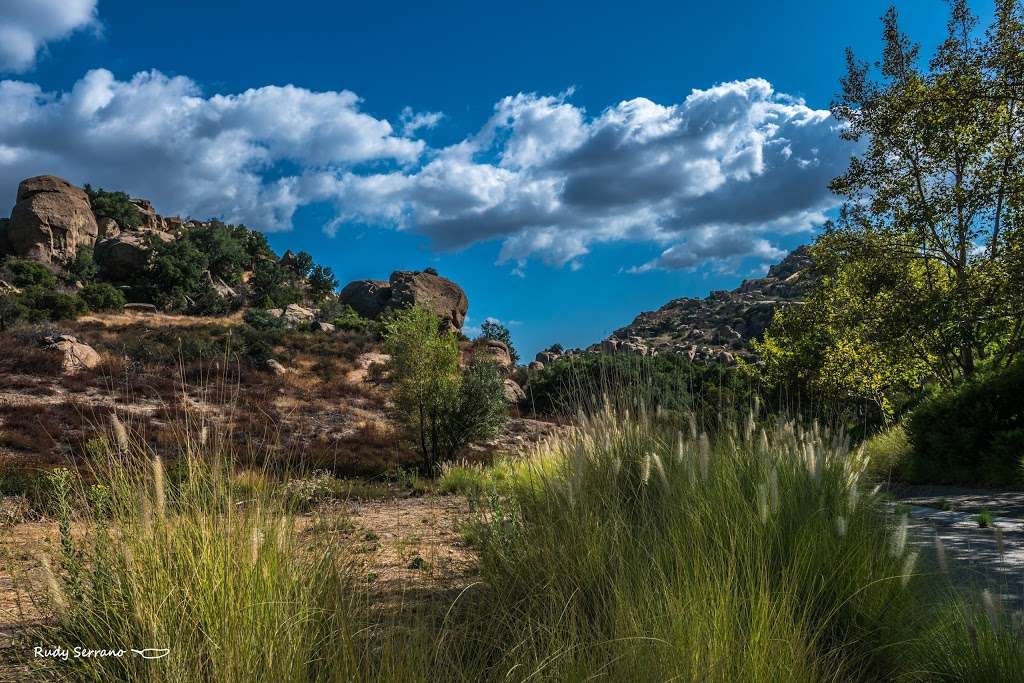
(938, 192)
(424, 367)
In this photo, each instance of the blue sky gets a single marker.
(551, 158)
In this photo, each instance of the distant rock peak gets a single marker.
(722, 325)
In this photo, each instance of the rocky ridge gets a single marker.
(721, 326)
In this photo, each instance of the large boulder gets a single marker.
(405, 289)
(75, 355)
(51, 220)
(295, 315)
(513, 392)
(431, 291)
(151, 220)
(368, 298)
(126, 255)
(490, 350)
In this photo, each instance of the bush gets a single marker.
(84, 268)
(889, 453)
(667, 382)
(974, 435)
(116, 205)
(42, 304)
(102, 297)
(27, 273)
(478, 410)
(262, 320)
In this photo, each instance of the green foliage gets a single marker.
(176, 272)
(298, 264)
(492, 329)
(667, 382)
(274, 284)
(42, 304)
(984, 519)
(849, 341)
(934, 203)
(971, 435)
(102, 297)
(116, 205)
(889, 453)
(84, 268)
(224, 249)
(27, 273)
(11, 310)
(424, 367)
(261, 320)
(321, 282)
(478, 411)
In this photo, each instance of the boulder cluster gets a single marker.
(721, 326)
(52, 220)
(404, 289)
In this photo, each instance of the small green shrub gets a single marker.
(42, 304)
(888, 452)
(261, 320)
(116, 205)
(27, 273)
(974, 435)
(102, 298)
(984, 519)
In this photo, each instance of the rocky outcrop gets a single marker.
(368, 298)
(489, 350)
(51, 221)
(126, 255)
(295, 315)
(513, 392)
(75, 355)
(721, 326)
(405, 289)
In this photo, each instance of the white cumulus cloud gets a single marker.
(241, 156)
(27, 25)
(715, 177)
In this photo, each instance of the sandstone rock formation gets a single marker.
(405, 289)
(51, 220)
(513, 392)
(75, 355)
(490, 350)
(720, 326)
(368, 298)
(128, 253)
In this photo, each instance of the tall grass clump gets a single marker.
(170, 560)
(655, 551)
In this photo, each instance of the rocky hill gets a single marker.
(722, 325)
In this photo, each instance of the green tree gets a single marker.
(116, 205)
(937, 195)
(272, 285)
(321, 282)
(478, 410)
(176, 272)
(226, 254)
(84, 267)
(492, 329)
(102, 297)
(424, 367)
(27, 273)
